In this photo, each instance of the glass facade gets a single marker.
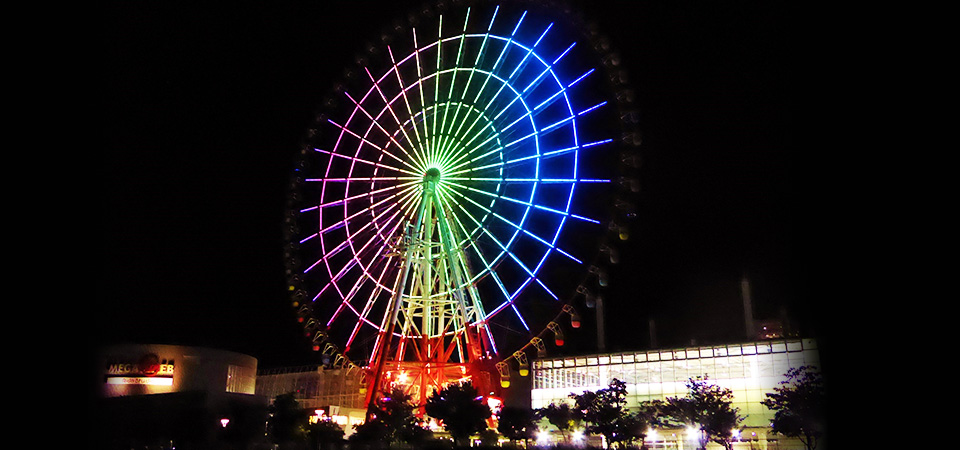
(241, 380)
(313, 386)
(749, 369)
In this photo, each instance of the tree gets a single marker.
(372, 433)
(604, 411)
(560, 416)
(708, 408)
(634, 424)
(324, 433)
(391, 421)
(489, 437)
(517, 423)
(799, 403)
(287, 425)
(460, 409)
(631, 428)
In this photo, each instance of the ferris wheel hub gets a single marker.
(432, 174)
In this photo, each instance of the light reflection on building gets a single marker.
(750, 370)
(332, 394)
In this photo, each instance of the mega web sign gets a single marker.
(148, 370)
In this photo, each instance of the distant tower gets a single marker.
(601, 334)
(653, 334)
(747, 307)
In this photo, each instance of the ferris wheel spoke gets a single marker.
(340, 223)
(340, 247)
(488, 266)
(333, 280)
(459, 138)
(511, 303)
(379, 251)
(473, 70)
(406, 101)
(376, 122)
(496, 63)
(408, 203)
(462, 161)
(359, 160)
(370, 209)
(417, 145)
(459, 161)
(372, 179)
(527, 158)
(523, 61)
(436, 93)
(414, 170)
(428, 143)
(523, 203)
(361, 195)
(533, 180)
(547, 69)
(549, 244)
(453, 83)
(505, 248)
(388, 223)
(368, 307)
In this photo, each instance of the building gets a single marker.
(330, 393)
(749, 369)
(170, 395)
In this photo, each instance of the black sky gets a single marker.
(205, 107)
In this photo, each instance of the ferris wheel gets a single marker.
(450, 199)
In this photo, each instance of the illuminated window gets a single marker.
(240, 380)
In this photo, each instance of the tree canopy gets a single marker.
(287, 425)
(461, 410)
(560, 416)
(392, 421)
(708, 408)
(799, 405)
(604, 411)
(517, 423)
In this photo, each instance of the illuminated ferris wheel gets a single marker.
(451, 191)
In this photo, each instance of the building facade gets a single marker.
(130, 370)
(331, 394)
(176, 396)
(749, 369)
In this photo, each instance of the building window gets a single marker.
(241, 380)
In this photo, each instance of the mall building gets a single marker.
(327, 393)
(749, 369)
(199, 395)
(171, 395)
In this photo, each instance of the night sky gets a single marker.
(206, 107)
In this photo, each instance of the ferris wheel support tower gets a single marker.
(442, 335)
